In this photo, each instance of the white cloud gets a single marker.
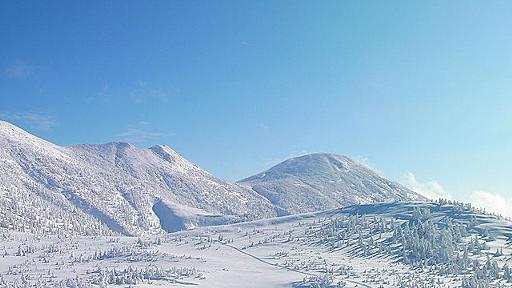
(492, 202)
(430, 189)
(18, 69)
(136, 135)
(39, 121)
(245, 43)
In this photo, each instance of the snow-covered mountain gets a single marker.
(120, 188)
(117, 188)
(323, 181)
(114, 187)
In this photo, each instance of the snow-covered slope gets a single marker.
(120, 188)
(114, 187)
(385, 245)
(322, 181)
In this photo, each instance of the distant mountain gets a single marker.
(323, 181)
(114, 187)
(119, 188)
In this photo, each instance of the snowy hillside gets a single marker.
(122, 189)
(112, 188)
(409, 245)
(68, 216)
(322, 181)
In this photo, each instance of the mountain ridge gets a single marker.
(117, 187)
(113, 185)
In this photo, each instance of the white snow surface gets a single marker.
(95, 216)
(322, 181)
(356, 246)
(118, 188)
(113, 187)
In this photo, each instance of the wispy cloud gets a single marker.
(492, 202)
(143, 93)
(36, 120)
(18, 69)
(138, 93)
(245, 43)
(136, 135)
(431, 189)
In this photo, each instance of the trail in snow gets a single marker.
(289, 269)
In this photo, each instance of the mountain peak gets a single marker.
(320, 155)
(321, 181)
(309, 164)
(166, 152)
(14, 139)
(162, 147)
(323, 156)
(120, 145)
(5, 123)
(9, 128)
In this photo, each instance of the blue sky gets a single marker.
(420, 90)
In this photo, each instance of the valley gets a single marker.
(359, 246)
